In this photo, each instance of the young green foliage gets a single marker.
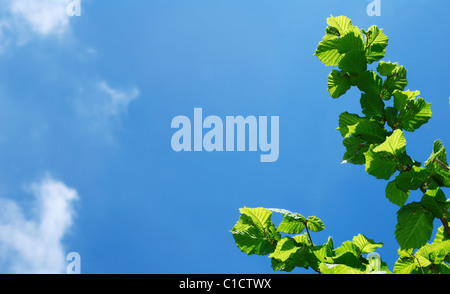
(375, 139)
(296, 248)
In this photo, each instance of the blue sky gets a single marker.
(86, 104)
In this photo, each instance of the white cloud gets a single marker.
(43, 16)
(34, 244)
(21, 20)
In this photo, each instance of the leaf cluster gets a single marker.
(290, 245)
(375, 139)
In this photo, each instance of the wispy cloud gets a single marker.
(34, 244)
(117, 100)
(101, 107)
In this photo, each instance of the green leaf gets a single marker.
(395, 77)
(438, 252)
(394, 145)
(441, 235)
(354, 62)
(391, 115)
(406, 265)
(372, 105)
(395, 194)
(380, 165)
(355, 149)
(366, 245)
(249, 239)
(348, 246)
(340, 23)
(361, 127)
(437, 167)
(422, 256)
(338, 269)
(371, 131)
(327, 51)
(290, 225)
(370, 83)
(386, 69)
(345, 120)
(349, 259)
(438, 152)
(315, 224)
(359, 133)
(338, 83)
(435, 202)
(383, 160)
(414, 227)
(286, 248)
(412, 179)
(413, 113)
(290, 253)
(254, 233)
(321, 253)
(376, 44)
(259, 216)
(351, 40)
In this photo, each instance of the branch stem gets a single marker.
(309, 236)
(446, 227)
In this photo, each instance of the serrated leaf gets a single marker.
(351, 40)
(254, 232)
(414, 227)
(290, 225)
(438, 252)
(315, 224)
(413, 113)
(441, 235)
(422, 257)
(372, 105)
(327, 51)
(259, 216)
(394, 145)
(434, 201)
(376, 44)
(437, 167)
(321, 253)
(338, 83)
(348, 246)
(250, 239)
(406, 265)
(349, 259)
(353, 62)
(361, 127)
(355, 149)
(382, 160)
(386, 69)
(438, 152)
(370, 83)
(395, 78)
(395, 194)
(340, 23)
(380, 165)
(412, 179)
(366, 245)
(286, 248)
